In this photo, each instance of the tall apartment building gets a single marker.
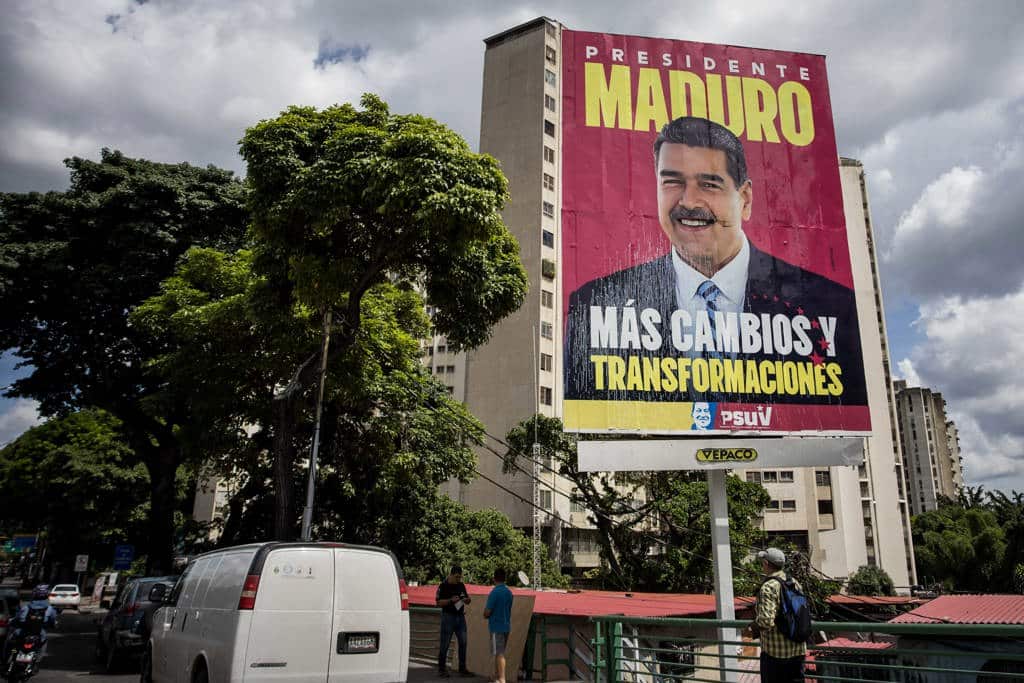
(845, 516)
(931, 444)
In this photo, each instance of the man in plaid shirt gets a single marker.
(782, 660)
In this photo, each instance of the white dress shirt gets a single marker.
(731, 280)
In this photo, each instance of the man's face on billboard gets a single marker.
(700, 208)
(701, 415)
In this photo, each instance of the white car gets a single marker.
(310, 612)
(65, 596)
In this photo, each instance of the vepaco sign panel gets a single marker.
(717, 454)
(707, 277)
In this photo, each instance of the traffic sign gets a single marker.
(123, 556)
(81, 563)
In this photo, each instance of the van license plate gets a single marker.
(358, 643)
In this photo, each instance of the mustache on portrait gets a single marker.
(682, 213)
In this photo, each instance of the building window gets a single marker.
(547, 299)
(441, 348)
(549, 155)
(549, 77)
(545, 499)
(550, 54)
(547, 269)
(548, 238)
(576, 506)
(547, 331)
(545, 361)
(823, 478)
(824, 507)
(771, 477)
(549, 128)
(788, 505)
(451, 369)
(549, 209)
(550, 103)
(786, 476)
(551, 30)
(773, 506)
(754, 477)
(440, 370)
(549, 182)
(545, 395)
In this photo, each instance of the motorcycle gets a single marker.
(23, 659)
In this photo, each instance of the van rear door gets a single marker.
(290, 636)
(370, 629)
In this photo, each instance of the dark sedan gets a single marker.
(125, 629)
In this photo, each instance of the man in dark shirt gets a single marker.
(452, 598)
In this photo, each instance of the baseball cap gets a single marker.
(773, 556)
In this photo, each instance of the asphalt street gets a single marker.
(70, 654)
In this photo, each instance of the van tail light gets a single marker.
(403, 593)
(130, 609)
(249, 588)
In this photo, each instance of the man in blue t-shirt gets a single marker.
(498, 613)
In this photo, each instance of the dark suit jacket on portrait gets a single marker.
(773, 286)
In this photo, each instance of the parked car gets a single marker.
(9, 604)
(125, 628)
(65, 596)
(283, 611)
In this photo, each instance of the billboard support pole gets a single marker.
(725, 608)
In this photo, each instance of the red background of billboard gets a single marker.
(609, 203)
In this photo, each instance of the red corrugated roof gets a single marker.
(596, 603)
(853, 645)
(967, 609)
(874, 601)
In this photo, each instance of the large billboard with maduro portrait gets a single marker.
(705, 266)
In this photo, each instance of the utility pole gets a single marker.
(537, 517)
(307, 513)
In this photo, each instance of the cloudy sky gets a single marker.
(929, 95)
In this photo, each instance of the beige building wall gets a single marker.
(932, 444)
(884, 509)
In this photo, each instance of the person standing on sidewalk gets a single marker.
(498, 613)
(782, 660)
(452, 598)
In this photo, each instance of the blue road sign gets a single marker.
(123, 556)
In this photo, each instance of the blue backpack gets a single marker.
(793, 618)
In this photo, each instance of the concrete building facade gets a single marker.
(845, 517)
(931, 443)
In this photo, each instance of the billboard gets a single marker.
(707, 286)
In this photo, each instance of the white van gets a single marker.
(299, 612)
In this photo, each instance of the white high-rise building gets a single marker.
(931, 443)
(844, 516)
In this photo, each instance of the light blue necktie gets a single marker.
(709, 291)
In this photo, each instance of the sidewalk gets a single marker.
(425, 673)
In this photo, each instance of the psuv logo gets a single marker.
(761, 417)
(727, 455)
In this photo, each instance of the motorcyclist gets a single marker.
(32, 619)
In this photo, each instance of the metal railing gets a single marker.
(637, 650)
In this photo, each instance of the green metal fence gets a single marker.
(639, 650)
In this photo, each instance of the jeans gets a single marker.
(452, 624)
(775, 670)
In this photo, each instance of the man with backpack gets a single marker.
(782, 621)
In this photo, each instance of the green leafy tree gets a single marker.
(870, 580)
(961, 548)
(478, 540)
(77, 480)
(347, 199)
(74, 264)
(653, 529)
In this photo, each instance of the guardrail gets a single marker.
(637, 650)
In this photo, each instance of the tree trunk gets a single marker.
(285, 415)
(162, 464)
